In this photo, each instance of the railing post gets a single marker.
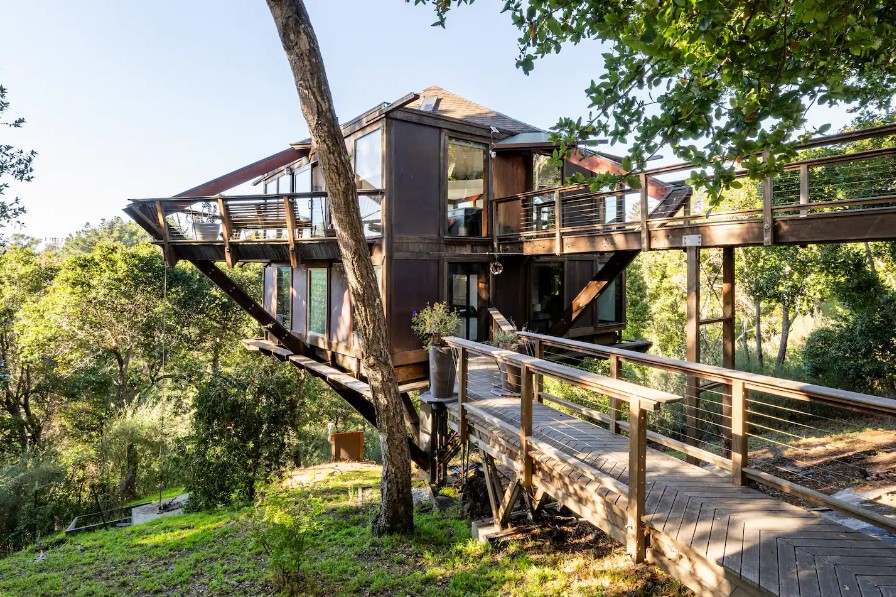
(637, 480)
(804, 189)
(614, 402)
(558, 223)
(463, 365)
(645, 230)
(227, 228)
(768, 224)
(739, 431)
(526, 425)
(539, 379)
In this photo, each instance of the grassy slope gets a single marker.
(214, 553)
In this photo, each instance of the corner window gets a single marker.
(466, 189)
(317, 300)
(284, 296)
(369, 161)
(545, 174)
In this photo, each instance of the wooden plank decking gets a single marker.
(717, 538)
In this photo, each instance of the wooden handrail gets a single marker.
(614, 388)
(753, 381)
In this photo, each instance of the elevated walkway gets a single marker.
(701, 524)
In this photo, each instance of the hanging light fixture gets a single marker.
(496, 268)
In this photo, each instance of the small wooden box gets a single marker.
(348, 446)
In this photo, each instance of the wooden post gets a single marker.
(462, 395)
(645, 230)
(637, 480)
(539, 379)
(558, 223)
(614, 402)
(739, 431)
(692, 334)
(804, 189)
(768, 224)
(167, 249)
(526, 425)
(728, 332)
(291, 231)
(227, 228)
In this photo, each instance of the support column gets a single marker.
(728, 344)
(692, 334)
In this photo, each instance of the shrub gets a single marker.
(33, 501)
(434, 322)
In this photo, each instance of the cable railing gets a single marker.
(833, 176)
(816, 444)
(531, 374)
(284, 217)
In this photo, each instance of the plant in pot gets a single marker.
(433, 323)
(510, 375)
(205, 222)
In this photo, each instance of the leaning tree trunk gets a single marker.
(303, 52)
(786, 323)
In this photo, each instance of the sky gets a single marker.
(126, 99)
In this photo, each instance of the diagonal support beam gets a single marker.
(595, 287)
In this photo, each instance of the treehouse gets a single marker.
(429, 168)
(461, 204)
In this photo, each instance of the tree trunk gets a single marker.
(300, 43)
(743, 339)
(757, 330)
(786, 322)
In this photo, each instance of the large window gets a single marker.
(317, 300)
(302, 184)
(545, 174)
(547, 295)
(284, 296)
(369, 161)
(467, 289)
(466, 189)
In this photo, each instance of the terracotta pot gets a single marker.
(511, 378)
(441, 372)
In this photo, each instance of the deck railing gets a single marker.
(809, 441)
(833, 175)
(532, 374)
(284, 217)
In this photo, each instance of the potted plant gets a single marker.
(433, 323)
(205, 223)
(511, 376)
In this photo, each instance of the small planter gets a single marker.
(441, 372)
(207, 230)
(511, 378)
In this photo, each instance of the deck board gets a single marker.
(764, 545)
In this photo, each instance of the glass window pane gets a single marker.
(284, 184)
(466, 188)
(317, 300)
(369, 161)
(302, 184)
(284, 296)
(545, 175)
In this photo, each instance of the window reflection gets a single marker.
(466, 188)
(369, 161)
(317, 300)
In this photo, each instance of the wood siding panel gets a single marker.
(510, 291)
(416, 170)
(416, 283)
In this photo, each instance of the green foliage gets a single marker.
(285, 523)
(115, 230)
(244, 428)
(16, 164)
(434, 322)
(712, 78)
(33, 496)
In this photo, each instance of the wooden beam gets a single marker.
(768, 223)
(558, 223)
(227, 227)
(739, 431)
(804, 189)
(728, 340)
(595, 287)
(614, 402)
(291, 231)
(463, 382)
(526, 426)
(244, 174)
(511, 495)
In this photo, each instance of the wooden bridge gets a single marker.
(702, 524)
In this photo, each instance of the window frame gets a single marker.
(447, 138)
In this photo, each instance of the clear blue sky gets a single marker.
(142, 99)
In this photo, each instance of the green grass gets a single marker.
(216, 553)
(167, 494)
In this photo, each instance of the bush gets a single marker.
(33, 500)
(244, 430)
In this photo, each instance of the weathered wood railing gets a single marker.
(846, 181)
(770, 411)
(640, 400)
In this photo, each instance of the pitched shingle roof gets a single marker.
(455, 106)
